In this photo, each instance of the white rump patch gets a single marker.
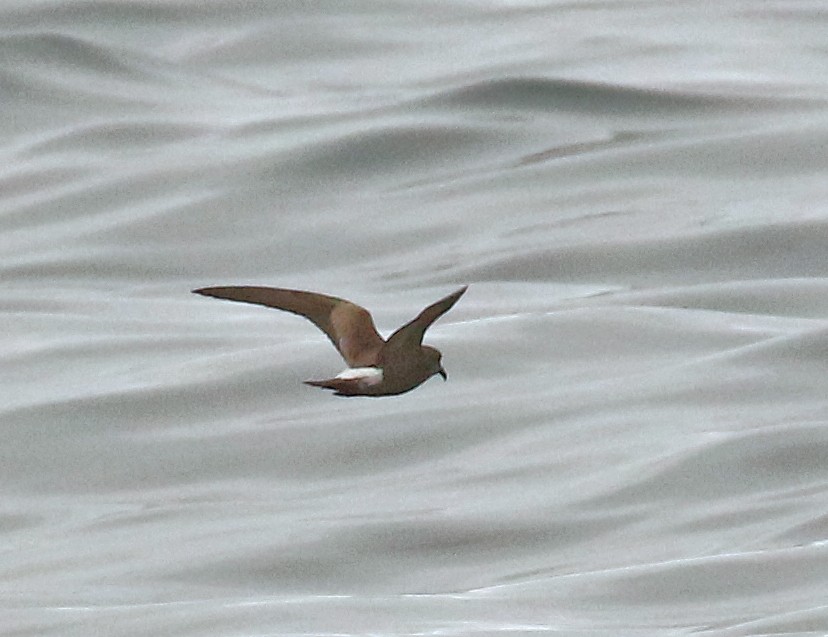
(369, 375)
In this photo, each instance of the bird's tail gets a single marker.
(342, 386)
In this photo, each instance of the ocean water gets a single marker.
(633, 439)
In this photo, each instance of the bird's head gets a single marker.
(433, 358)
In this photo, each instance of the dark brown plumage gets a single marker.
(376, 367)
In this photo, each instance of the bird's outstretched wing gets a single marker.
(412, 333)
(349, 326)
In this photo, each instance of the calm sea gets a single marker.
(633, 439)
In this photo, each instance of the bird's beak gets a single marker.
(442, 373)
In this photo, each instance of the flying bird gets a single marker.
(376, 367)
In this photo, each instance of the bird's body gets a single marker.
(376, 367)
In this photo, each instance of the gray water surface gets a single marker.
(634, 434)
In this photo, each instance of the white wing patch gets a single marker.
(368, 375)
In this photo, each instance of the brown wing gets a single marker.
(349, 326)
(412, 332)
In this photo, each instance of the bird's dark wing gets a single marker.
(412, 332)
(349, 326)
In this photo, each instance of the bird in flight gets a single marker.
(376, 367)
